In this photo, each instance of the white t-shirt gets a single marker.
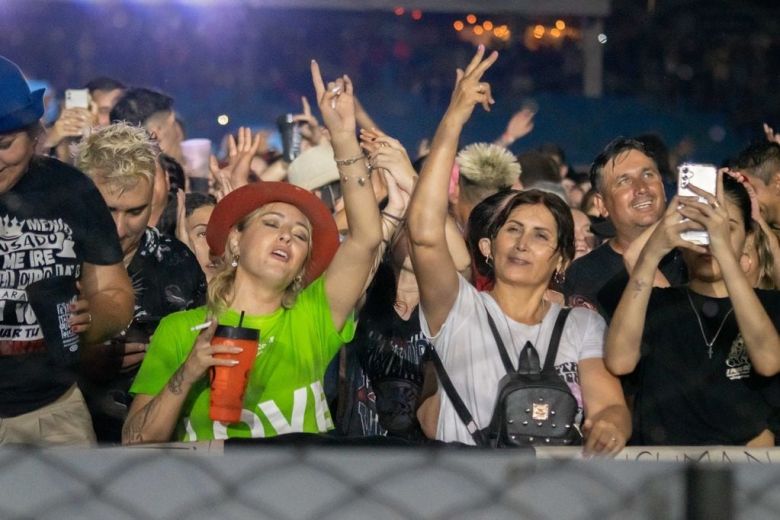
(470, 355)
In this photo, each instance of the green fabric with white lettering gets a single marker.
(285, 391)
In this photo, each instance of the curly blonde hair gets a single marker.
(221, 288)
(119, 154)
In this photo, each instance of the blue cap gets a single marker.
(18, 106)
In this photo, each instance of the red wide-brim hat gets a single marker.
(244, 200)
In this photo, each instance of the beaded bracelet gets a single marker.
(361, 179)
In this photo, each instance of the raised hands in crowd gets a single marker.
(378, 200)
(520, 125)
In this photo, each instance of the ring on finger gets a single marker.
(714, 204)
(89, 318)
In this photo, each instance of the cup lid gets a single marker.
(231, 332)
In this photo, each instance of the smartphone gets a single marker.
(704, 177)
(77, 98)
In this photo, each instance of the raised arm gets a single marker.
(433, 264)
(348, 272)
(624, 337)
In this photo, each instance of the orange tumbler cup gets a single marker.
(228, 384)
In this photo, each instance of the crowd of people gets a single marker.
(397, 297)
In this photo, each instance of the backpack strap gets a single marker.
(501, 348)
(460, 407)
(555, 339)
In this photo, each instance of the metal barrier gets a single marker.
(211, 480)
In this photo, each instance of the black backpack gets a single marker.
(534, 406)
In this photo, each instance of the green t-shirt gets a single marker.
(284, 393)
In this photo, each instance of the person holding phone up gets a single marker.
(706, 353)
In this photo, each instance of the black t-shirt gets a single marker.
(589, 274)
(385, 371)
(685, 397)
(166, 278)
(51, 221)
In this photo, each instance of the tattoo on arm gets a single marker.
(132, 430)
(177, 381)
(638, 286)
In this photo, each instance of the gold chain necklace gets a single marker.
(701, 325)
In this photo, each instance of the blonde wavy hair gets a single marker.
(119, 154)
(221, 288)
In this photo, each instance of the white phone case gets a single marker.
(705, 177)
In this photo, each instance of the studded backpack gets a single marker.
(534, 406)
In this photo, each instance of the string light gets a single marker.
(399, 11)
(416, 15)
(560, 25)
(458, 25)
(488, 25)
(472, 19)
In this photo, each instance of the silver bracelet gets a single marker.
(361, 179)
(351, 160)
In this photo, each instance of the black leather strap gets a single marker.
(555, 339)
(501, 348)
(457, 402)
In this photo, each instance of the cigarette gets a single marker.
(200, 327)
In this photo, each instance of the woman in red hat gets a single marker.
(286, 272)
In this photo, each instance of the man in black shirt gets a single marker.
(53, 223)
(631, 193)
(166, 277)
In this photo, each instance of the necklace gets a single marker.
(544, 306)
(701, 325)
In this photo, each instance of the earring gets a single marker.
(297, 284)
(489, 260)
(234, 263)
(559, 276)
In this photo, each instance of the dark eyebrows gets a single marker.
(535, 228)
